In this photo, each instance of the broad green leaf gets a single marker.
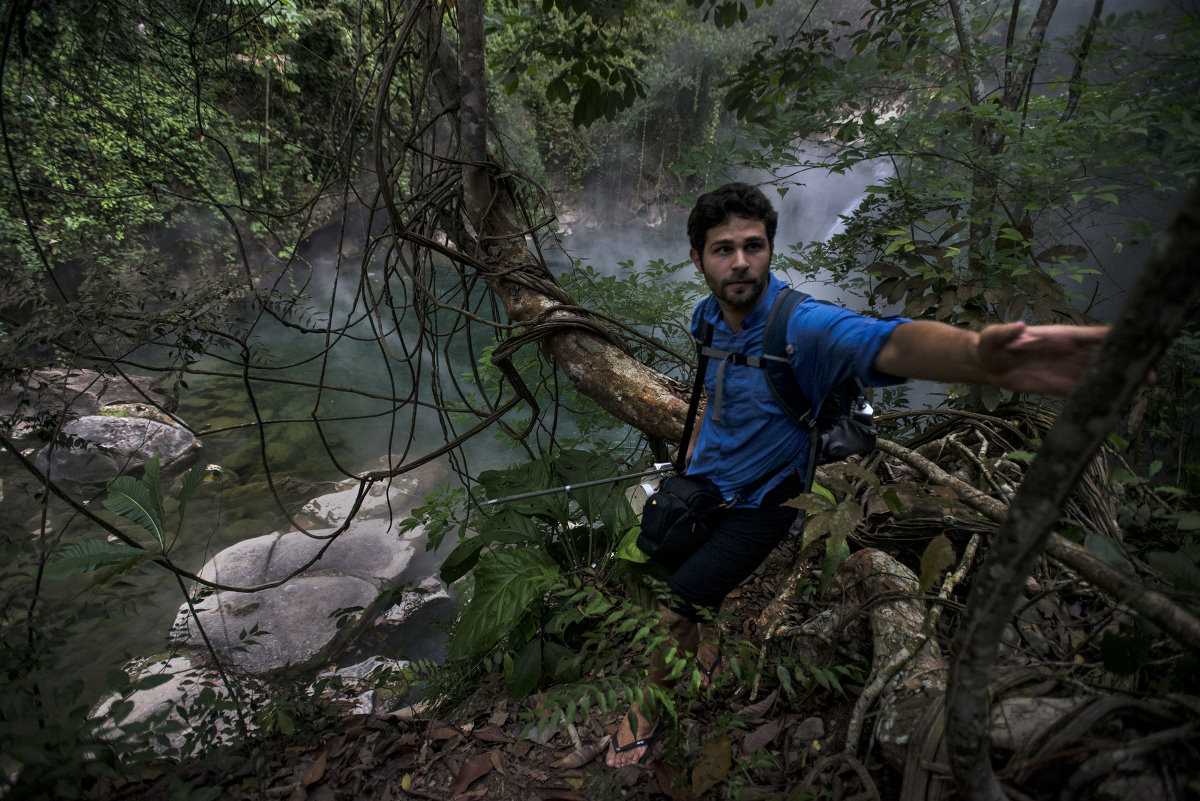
(892, 499)
(506, 582)
(815, 527)
(813, 502)
(1188, 521)
(629, 550)
(1182, 571)
(938, 556)
(1107, 551)
(526, 669)
(460, 561)
(576, 467)
(836, 552)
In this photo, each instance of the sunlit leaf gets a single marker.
(938, 556)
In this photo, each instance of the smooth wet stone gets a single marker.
(96, 448)
(298, 624)
(363, 551)
(333, 508)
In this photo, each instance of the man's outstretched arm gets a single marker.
(1048, 359)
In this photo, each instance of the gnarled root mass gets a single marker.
(1060, 739)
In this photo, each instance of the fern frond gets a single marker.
(87, 555)
(130, 499)
(191, 482)
(152, 481)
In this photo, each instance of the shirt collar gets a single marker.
(757, 315)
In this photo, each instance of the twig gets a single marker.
(1107, 762)
(1154, 606)
(872, 691)
(952, 581)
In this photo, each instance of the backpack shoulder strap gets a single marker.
(702, 343)
(778, 367)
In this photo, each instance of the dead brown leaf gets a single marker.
(521, 748)
(499, 714)
(474, 768)
(762, 736)
(712, 767)
(316, 771)
(669, 782)
(442, 731)
(758, 711)
(478, 793)
(497, 761)
(492, 734)
(577, 759)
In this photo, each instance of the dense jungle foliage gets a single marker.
(170, 169)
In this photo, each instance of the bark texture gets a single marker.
(596, 365)
(1156, 311)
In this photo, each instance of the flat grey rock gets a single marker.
(298, 622)
(97, 448)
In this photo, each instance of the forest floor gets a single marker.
(486, 747)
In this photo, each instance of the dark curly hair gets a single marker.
(735, 199)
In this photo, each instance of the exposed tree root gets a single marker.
(1051, 731)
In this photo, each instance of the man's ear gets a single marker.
(695, 254)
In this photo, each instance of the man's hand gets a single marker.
(1039, 358)
(1049, 359)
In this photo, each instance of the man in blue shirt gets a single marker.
(745, 435)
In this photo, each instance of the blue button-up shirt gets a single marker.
(755, 435)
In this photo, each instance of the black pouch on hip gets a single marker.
(677, 519)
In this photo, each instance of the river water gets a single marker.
(303, 462)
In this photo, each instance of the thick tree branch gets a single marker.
(1154, 315)
(1018, 82)
(966, 53)
(620, 384)
(1085, 46)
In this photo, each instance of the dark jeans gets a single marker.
(741, 540)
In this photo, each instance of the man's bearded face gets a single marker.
(735, 262)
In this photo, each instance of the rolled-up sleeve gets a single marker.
(831, 344)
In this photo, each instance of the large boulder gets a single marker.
(296, 625)
(97, 448)
(307, 619)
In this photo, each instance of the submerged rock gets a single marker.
(97, 448)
